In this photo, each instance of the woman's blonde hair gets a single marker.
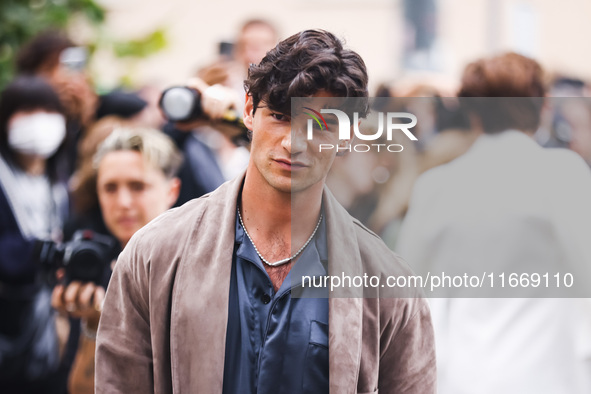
(111, 134)
(83, 182)
(155, 147)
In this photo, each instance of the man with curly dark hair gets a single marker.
(203, 299)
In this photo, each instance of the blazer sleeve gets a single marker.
(123, 348)
(408, 364)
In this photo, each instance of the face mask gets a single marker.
(38, 134)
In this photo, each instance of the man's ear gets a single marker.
(343, 147)
(248, 112)
(173, 192)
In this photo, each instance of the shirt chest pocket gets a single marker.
(316, 368)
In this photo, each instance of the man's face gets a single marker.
(132, 192)
(254, 43)
(281, 153)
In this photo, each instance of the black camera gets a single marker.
(183, 104)
(86, 258)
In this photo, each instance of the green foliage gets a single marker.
(143, 47)
(20, 20)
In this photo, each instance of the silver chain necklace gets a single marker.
(280, 262)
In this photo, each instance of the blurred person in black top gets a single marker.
(33, 206)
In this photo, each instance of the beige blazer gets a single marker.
(163, 327)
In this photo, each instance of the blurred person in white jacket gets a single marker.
(510, 206)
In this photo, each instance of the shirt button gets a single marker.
(266, 299)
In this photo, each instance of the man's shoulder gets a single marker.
(366, 238)
(397, 305)
(175, 220)
(377, 258)
(178, 224)
(565, 161)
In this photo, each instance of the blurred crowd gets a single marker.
(80, 173)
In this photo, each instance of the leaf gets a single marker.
(142, 47)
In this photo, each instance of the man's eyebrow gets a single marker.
(274, 111)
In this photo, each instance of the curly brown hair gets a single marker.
(302, 65)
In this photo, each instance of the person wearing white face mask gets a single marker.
(36, 134)
(33, 207)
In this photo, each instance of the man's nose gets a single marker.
(295, 142)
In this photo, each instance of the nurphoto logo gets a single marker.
(394, 122)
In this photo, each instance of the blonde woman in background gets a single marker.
(135, 181)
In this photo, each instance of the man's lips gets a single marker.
(290, 165)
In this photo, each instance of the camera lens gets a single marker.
(86, 265)
(180, 103)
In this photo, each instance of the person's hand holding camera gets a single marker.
(82, 300)
(217, 100)
(214, 104)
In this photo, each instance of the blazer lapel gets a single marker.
(201, 295)
(345, 314)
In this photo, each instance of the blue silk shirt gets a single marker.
(276, 343)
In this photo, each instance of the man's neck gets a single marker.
(267, 216)
(269, 213)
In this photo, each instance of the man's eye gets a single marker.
(137, 186)
(279, 117)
